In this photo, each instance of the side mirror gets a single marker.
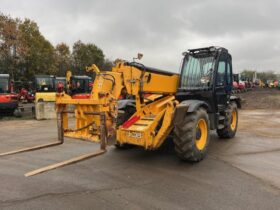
(139, 56)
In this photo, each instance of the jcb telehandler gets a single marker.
(186, 106)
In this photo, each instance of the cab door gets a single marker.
(223, 80)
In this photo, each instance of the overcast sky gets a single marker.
(162, 30)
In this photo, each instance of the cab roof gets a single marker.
(205, 50)
(5, 75)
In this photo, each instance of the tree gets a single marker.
(10, 46)
(24, 52)
(63, 58)
(107, 65)
(247, 74)
(23, 49)
(264, 76)
(85, 55)
(40, 55)
(269, 75)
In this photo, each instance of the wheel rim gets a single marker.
(201, 134)
(233, 120)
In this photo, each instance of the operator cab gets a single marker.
(80, 84)
(206, 75)
(5, 84)
(44, 83)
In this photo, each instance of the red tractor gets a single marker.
(238, 85)
(25, 96)
(8, 99)
(25, 92)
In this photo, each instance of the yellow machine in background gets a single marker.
(45, 97)
(78, 86)
(45, 88)
(261, 84)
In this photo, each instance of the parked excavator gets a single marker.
(9, 103)
(185, 106)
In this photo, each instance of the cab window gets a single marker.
(229, 78)
(221, 74)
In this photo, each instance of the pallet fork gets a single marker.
(60, 141)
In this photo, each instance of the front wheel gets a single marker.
(230, 122)
(191, 136)
(17, 113)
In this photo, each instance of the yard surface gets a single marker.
(241, 173)
(261, 98)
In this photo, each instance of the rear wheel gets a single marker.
(191, 136)
(123, 146)
(10, 112)
(230, 122)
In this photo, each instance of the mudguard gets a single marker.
(186, 107)
(237, 100)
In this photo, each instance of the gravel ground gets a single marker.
(241, 173)
(261, 98)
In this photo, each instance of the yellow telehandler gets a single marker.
(154, 105)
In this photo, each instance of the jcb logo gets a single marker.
(137, 135)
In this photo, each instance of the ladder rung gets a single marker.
(140, 124)
(148, 119)
(221, 126)
(221, 117)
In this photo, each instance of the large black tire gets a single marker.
(230, 125)
(186, 136)
(17, 113)
(123, 146)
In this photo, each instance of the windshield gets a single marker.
(4, 85)
(197, 72)
(45, 84)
